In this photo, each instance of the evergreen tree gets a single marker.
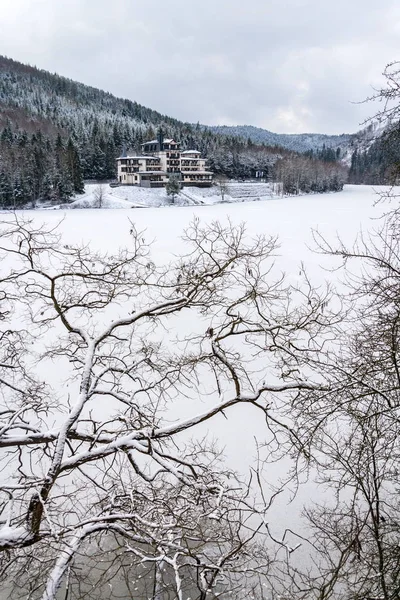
(74, 167)
(173, 187)
(6, 190)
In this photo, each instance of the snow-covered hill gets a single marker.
(304, 142)
(298, 142)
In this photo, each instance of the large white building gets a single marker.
(161, 159)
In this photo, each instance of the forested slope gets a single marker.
(55, 132)
(298, 142)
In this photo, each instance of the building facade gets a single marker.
(160, 160)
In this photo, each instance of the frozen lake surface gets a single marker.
(292, 220)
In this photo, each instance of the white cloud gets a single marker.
(281, 65)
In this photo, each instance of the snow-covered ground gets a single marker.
(103, 195)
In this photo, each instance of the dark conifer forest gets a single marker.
(379, 164)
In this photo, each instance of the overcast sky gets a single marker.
(286, 65)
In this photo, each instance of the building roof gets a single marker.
(169, 141)
(191, 152)
(140, 157)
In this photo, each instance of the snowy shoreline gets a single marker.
(138, 197)
(104, 196)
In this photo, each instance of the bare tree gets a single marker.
(355, 534)
(99, 195)
(388, 95)
(354, 437)
(221, 181)
(356, 447)
(112, 324)
(359, 534)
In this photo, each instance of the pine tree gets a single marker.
(6, 190)
(173, 187)
(74, 167)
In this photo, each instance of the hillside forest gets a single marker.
(56, 133)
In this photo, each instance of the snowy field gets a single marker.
(137, 197)
(291, 219)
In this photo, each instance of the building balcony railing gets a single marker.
(194, 177)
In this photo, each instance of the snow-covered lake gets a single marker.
(292, 219)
